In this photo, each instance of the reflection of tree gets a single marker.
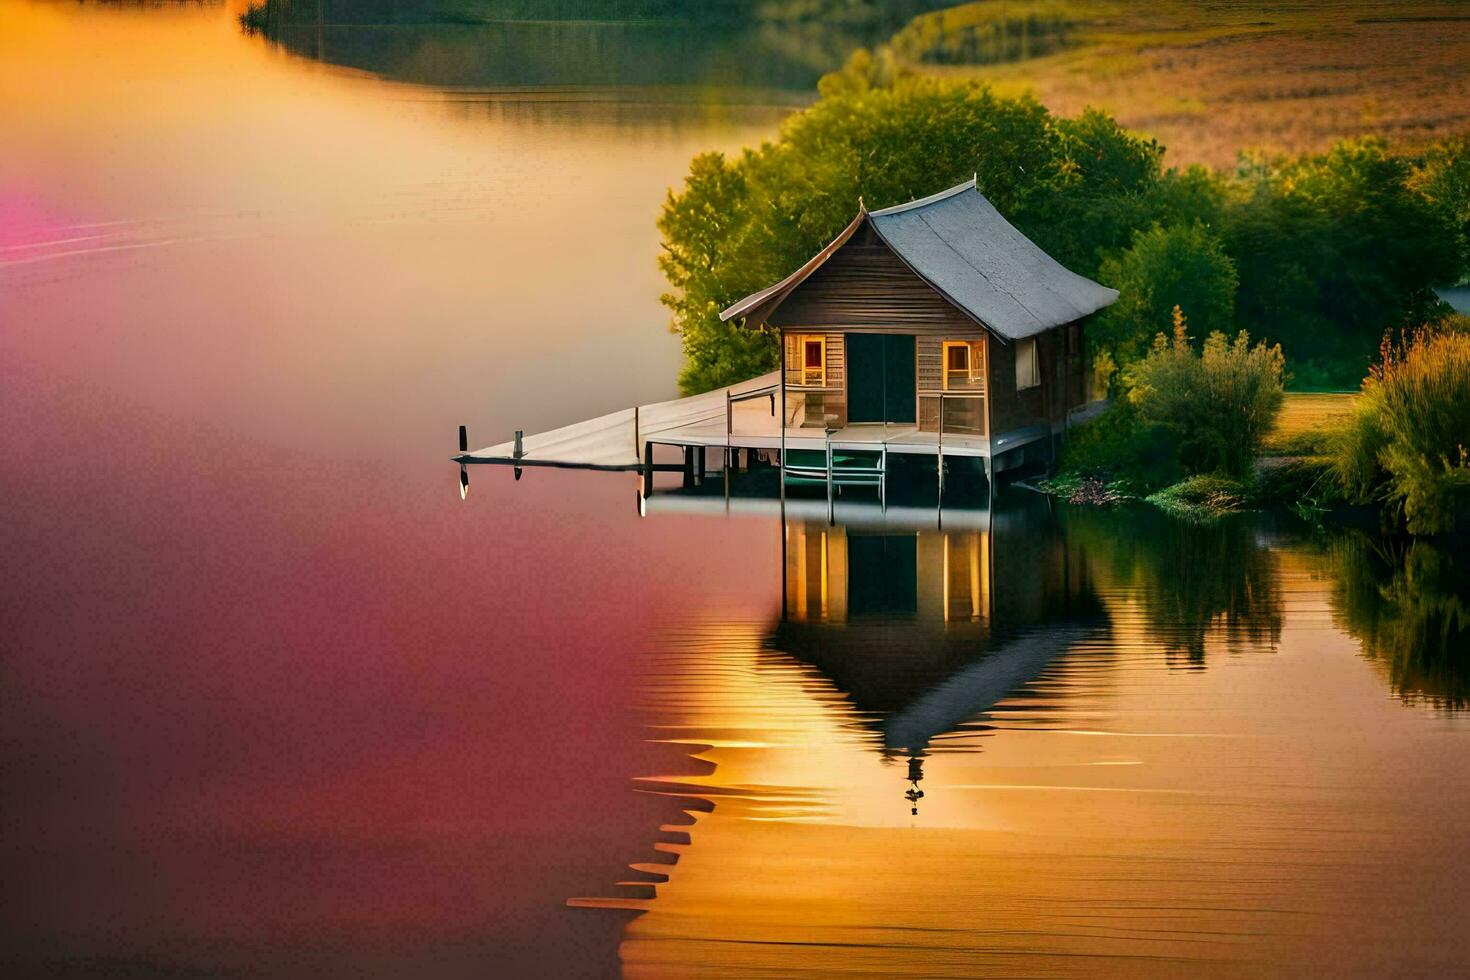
(1189, 578)
(1408, 601)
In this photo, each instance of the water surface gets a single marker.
(277, 702)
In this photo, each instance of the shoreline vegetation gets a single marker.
(1280, 272)
(1396, 453)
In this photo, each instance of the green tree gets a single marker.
(882, 137)
(1332, 249)
(1442, 178)
(1181, 267)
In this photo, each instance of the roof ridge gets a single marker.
(925, 201)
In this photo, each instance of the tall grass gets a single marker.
(1409, 440)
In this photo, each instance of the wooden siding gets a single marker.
(930, 357)
(967, 418)
(1063, 381)
(865, 287)
(828, 403)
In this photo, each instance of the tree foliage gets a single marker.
(1182, 267)
(1332, 250)
(742, 223)
(1320, 254)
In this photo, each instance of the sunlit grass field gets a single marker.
(1208, 79)
(1306, 419)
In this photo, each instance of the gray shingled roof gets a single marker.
(962, 246)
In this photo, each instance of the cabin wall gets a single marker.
(962, 416)
(1063, 382)
(865, 287)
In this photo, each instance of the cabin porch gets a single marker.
(711, 429)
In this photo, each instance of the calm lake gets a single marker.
(277, 702)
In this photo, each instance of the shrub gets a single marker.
(1128, 455)
(1409, 440)
(1216, 406)
(1183, 267)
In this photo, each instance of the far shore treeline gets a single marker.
(1320, 253)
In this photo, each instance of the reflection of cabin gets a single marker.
(889, 613)
(937, 313)
(836, 574)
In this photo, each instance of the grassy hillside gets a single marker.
(1207, 79)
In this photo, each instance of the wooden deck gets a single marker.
(743, 416)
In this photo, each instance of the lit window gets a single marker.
(1028, 366)
(813, 360)
(959, 363)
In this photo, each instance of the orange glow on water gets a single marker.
(1117, 816)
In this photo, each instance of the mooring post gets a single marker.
(464, 439)
(518, 451)
(688, 467)
(647, 469)
(831, 514)
(939, 455)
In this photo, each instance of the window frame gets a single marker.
(1035, 381)
(969, 369)
(804, 373)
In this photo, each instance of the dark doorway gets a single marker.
(880, 378)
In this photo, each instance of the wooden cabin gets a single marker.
(934, 328)
(937, 316)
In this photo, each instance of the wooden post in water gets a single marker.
(939, 456)
(519, 451)
(688, 467)
(831, 515)
(464, 439)
(648, 469)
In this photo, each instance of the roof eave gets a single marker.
(766, 300)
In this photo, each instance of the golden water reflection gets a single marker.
(1092, 801)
